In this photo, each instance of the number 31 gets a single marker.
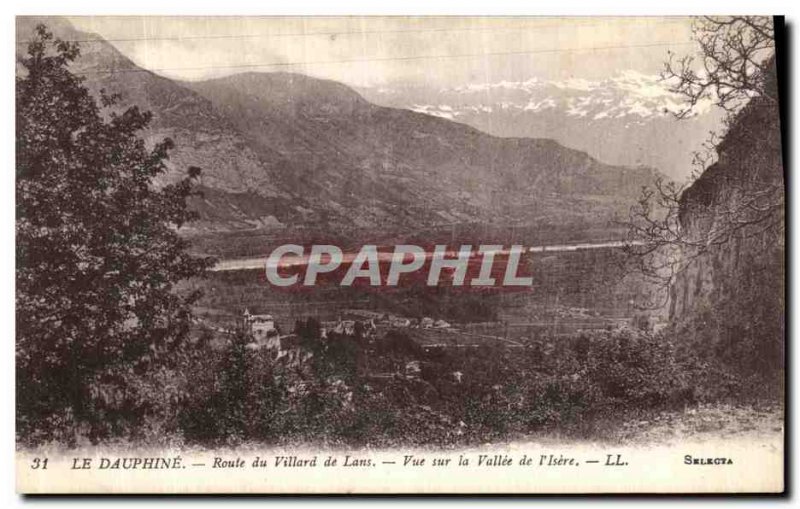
(39, 463)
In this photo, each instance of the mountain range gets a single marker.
(635, 110)
(283, 149)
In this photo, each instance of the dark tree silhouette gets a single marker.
(98, 255)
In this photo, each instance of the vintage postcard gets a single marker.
(400, 255)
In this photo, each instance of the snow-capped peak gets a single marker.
(629, 93)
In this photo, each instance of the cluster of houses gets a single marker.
(364, 328)
(266, 333)
(286, 347)
(398, 322)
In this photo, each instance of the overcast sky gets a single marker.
(439, 51)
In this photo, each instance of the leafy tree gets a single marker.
(98, 254)
(234, 387)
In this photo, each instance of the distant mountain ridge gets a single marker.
(287, 149)
(630, 107)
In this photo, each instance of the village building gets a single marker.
(261, 327)
(366, 328)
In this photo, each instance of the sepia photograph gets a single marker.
(400, 254)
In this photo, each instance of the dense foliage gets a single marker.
(355, 391)
(97, 254)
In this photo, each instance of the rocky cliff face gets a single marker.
(728, 298)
